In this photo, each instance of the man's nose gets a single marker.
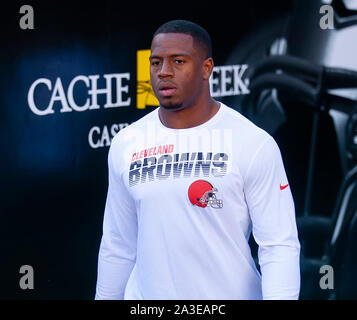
(166, 69)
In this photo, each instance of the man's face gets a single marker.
(176, 70)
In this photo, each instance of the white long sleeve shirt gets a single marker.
(181, 205)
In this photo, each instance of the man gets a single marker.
(188, 183)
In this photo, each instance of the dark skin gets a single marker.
(179, 73)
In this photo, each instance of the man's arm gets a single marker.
(117, 253)
(272, 211)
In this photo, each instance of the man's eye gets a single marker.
(179, 61)
(155, 63)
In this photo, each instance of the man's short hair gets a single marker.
(199, 34)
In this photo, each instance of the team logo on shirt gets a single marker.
(201, 193)
(161, 163)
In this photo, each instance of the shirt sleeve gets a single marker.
(117, 252)
(272, 212)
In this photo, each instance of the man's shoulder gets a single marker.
(244, 129)
(250, 142)
(135, 129)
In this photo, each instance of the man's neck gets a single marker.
(190, 116)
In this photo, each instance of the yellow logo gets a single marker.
(144, 94)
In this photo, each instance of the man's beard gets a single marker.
(171, 106)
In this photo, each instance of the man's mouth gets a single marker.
(167, 90)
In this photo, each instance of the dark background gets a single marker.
(53, 185)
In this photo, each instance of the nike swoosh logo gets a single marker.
(283, 187)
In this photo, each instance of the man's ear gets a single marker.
(208, 65)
